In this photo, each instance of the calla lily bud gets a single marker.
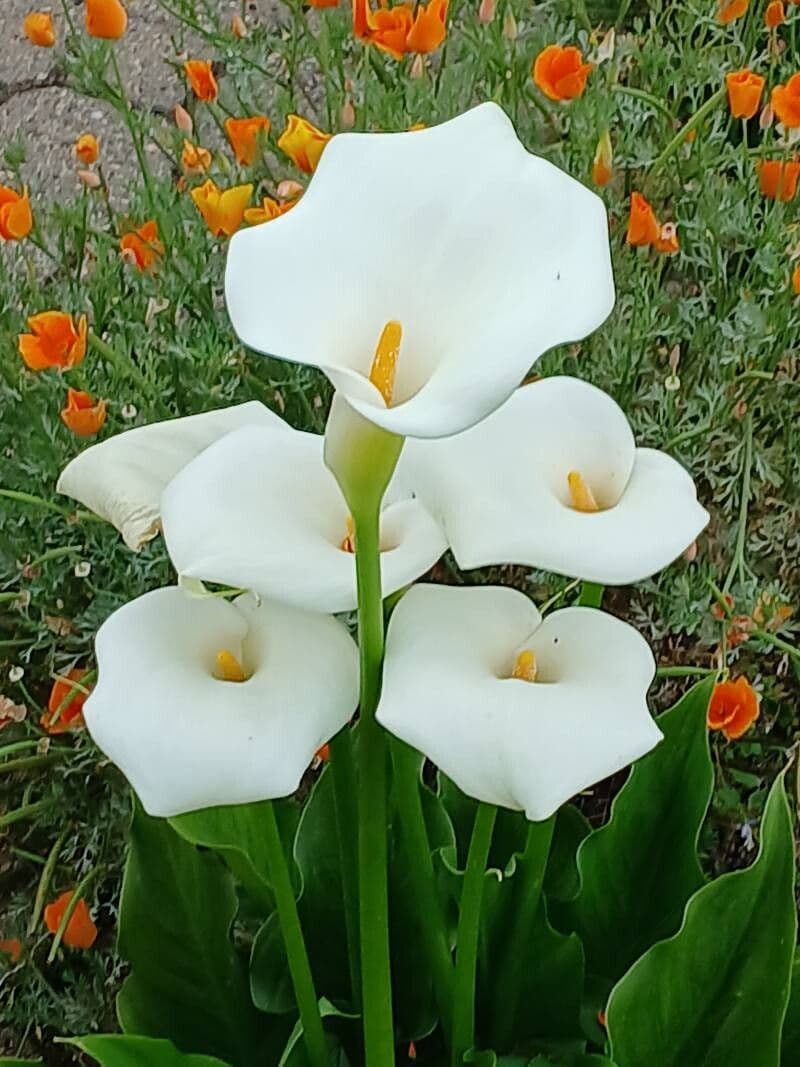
(360, 455)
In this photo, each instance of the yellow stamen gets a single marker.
(384, 365)
(348, 543)
(525, 666)
(229, 669)
(580, 495)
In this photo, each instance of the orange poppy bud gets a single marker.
(12, 947)
(778, 180)
(560, 72)
(106, 18)
(201, 79)
(796, 280)
(194, 159)
(288, 189)
(733, 708)
(87, 149)
(744, 93)
(80, 931)
(786, 102)
(38, 28)
(643, 226)
(667, 241)
(142, 247)
(429, 29)
(65, 705)
(417, 68)
(222, 209)
(243, 135)
(89, 178)
(269, 209)
(510, 28)
(775, 14)
(603, 163)
(16, 217)
(486, 10)
(55, 341)
(303, 143)
(83, 415)
(238, 28)
(183, 120)
(729, 10)
(347, 116)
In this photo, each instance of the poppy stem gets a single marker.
(44, 881)
(688, 126)
(68, 912)
(299, 967)
(468, 931)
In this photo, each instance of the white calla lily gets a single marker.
(455, 688)
(260, 510)
(475, 255)
(121, 479)
(185, 737)
(554, 480)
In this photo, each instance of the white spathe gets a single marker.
(260, 510)
(487, 255)
(121, 479)
(528, 746)
(501, 493)
(187, 740)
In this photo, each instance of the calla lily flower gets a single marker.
(475, 255)
(226, 702)
(554, 480)
(519, 711)
(260, 510)
(122, 478)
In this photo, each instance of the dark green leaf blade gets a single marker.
(716, 992)
(128, 1050)
(790, 1038)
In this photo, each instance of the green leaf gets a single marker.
(236, 833)
(294, 1055)
(790, 1038)
(187, 982)
(715, 994)
(562, 879)
(11, 1062)
(124, 1050)
(638, 871)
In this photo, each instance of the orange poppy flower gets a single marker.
(12, 947)
(729, 10)
(38, 28)
(667, 242)
(303, 143)
(643, 226)
(80, 931)
(243, 135)
(402, 28)
(786, 102)
(65, 705)
(87, 149)
(560, 72)
(142, 247)
(222, 209)
(796, 280)
(319, 4)
(733, 708)
(201, 79)
(55, 340)
(603, 162)
(194, 158)
(323, 754)
(16, 217)
(269, 209)
(107, 19)
(778, 180)
(744, 92)
(83, 415)
(775, 14)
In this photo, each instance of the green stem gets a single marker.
(423, 877)
(372, 815)
(343, 773)
(737, 563)
(468, 931)
(74, 900)
(128, 368)
(591, 595)
(299, 967)
(44, 881)
(685, 672)
(687, 127)
(27, 811)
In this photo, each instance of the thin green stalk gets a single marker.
(37, 501)
(591, 595)
(423, 878)
(299, 967)
(78, 892)
(27, 763)
(737, 563)
(44, 881)
(468, 931)
(128, 368)
(685, 672)
(687, 127)
(372, 817)
(343, 774)
(27, 811)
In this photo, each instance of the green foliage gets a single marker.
(716, 992)
(187, 982)
(638, 871)
(790, 1037)
(125, 1050)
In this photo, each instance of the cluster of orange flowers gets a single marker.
(774, 13)
(105, 19)
(79, 932)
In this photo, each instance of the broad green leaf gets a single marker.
(790, 1037)
(126, 1050)
(9, 1061)
(638, 871)
(294, 1055)
(562, 879)
(187, 982)
(236, 833)
(716, 992)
